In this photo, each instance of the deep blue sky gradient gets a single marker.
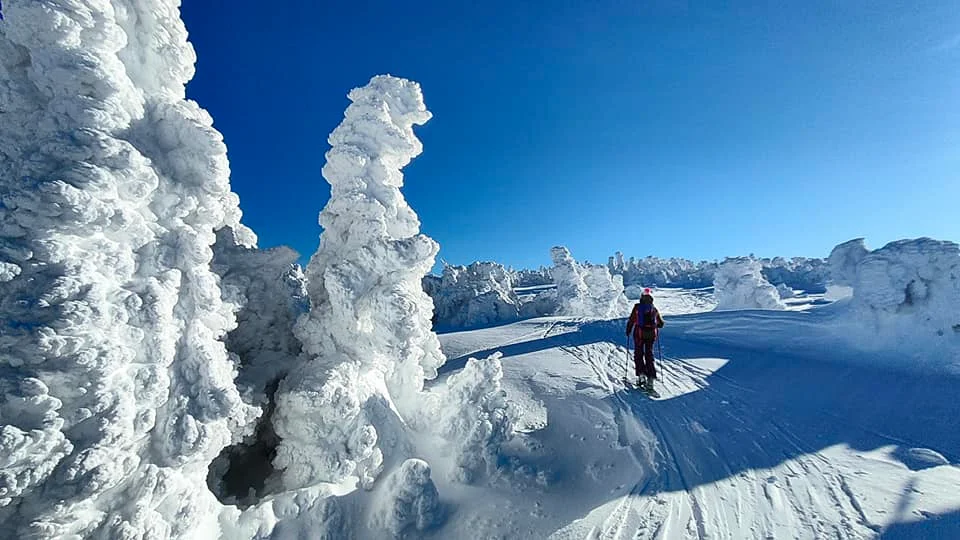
(693, 129)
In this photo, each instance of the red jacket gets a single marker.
(635, 327)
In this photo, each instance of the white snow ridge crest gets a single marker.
(117, 391)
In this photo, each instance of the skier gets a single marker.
(645, 323)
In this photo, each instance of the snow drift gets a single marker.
(738, 284)
(907, 290)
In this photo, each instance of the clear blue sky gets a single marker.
(692, 129)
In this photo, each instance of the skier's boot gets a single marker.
(641, 381)
(649, 385)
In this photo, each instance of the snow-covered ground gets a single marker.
(162, 377)
(769, 426)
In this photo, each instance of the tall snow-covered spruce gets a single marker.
(355, 405)
(117, 388)
(367, 340)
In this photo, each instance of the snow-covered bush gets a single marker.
(738, 284)
(905, 292)
(112, 186)
(542, 304)
(475, 416)
(407, 499)
(586, 290)
(475, 295)
(367, 338)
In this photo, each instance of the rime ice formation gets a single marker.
(843, 261)
(368, 334)
(112, 185)
(476, 295)
(475, 416)
(409, 498)
(798, 272)
(738, 284)
(271, 290)
(906, 291)
(785, 292)
(586, 290)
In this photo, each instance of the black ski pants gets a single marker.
(643, 358)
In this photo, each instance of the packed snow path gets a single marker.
(744, 444)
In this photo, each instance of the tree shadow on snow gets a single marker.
(762, 409)
(939, 526)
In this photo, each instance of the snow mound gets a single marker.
(906, 290)
(739, 284)
(586, 290)
(113, 185)
(480, 294)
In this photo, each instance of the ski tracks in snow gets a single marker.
(723, 467)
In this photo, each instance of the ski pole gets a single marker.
(626, 367)
(660, 350)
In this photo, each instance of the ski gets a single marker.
(633, 385)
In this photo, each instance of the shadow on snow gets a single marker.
(764, 408)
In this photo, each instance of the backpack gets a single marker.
(647, 321)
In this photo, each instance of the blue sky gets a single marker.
(691, 129)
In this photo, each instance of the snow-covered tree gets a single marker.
(586, 290)
(367, 339)
(112, 186)
(739, 284)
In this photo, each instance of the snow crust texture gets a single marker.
(739, 284)
(118, 389)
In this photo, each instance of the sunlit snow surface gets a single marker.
(754, 436)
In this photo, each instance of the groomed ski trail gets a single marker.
(804, 496)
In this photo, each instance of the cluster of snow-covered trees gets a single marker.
(484, 293)
(475, 295)
(797, 273)
(160, 376)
